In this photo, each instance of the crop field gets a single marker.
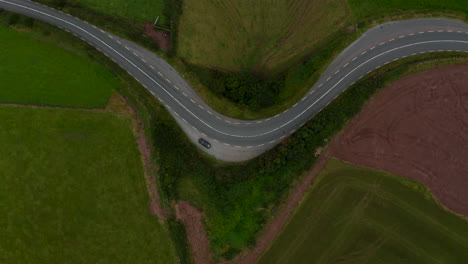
(359, 215)
(39, 73)
(258, 35)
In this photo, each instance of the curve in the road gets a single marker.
(233, 139)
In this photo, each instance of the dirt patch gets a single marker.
(281, 218)
(162, 38)
(118, 105)
(196, 234)
(416, 127)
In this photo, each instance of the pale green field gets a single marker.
(355, 215)
(255, 35)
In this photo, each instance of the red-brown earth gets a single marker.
(417, 128)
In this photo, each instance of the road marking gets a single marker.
(364, 52)
(382, 43)
(320, 85)
(127, 48)
(143, 60)
(214, 129)
(411, 34)
(210, 113)
(328, 79)
(402, 36)
(167, 80)
(344, 66)
(201, 107)
(421, 32)
(191, 100)
(177, 88)
(110, 36)
(184, 94)
(151, 66)
(337, 72)
(135, 54)
(390, 40)
(160, 73)
(258, 122)
(354, 59)
(119, 42)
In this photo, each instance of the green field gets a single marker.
(358, 215)
(255, 35)
(73, 190)
(39, 73)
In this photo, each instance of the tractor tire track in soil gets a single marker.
(416, 127)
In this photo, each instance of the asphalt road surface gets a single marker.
(236, 140)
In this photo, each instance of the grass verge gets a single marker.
(361, 215)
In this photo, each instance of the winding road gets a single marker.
(237, 140)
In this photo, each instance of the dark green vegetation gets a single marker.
(358, 215)
(73, 190)
(35, 72)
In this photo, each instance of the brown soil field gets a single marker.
(417, 128)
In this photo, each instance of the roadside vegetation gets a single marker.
(362, 215)
(72, 179)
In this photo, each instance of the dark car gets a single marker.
(204, 143)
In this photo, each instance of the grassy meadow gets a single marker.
(35, 72)
(358, 215)
(73, 190)
(255, 35)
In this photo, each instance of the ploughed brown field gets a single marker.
(416, 127)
